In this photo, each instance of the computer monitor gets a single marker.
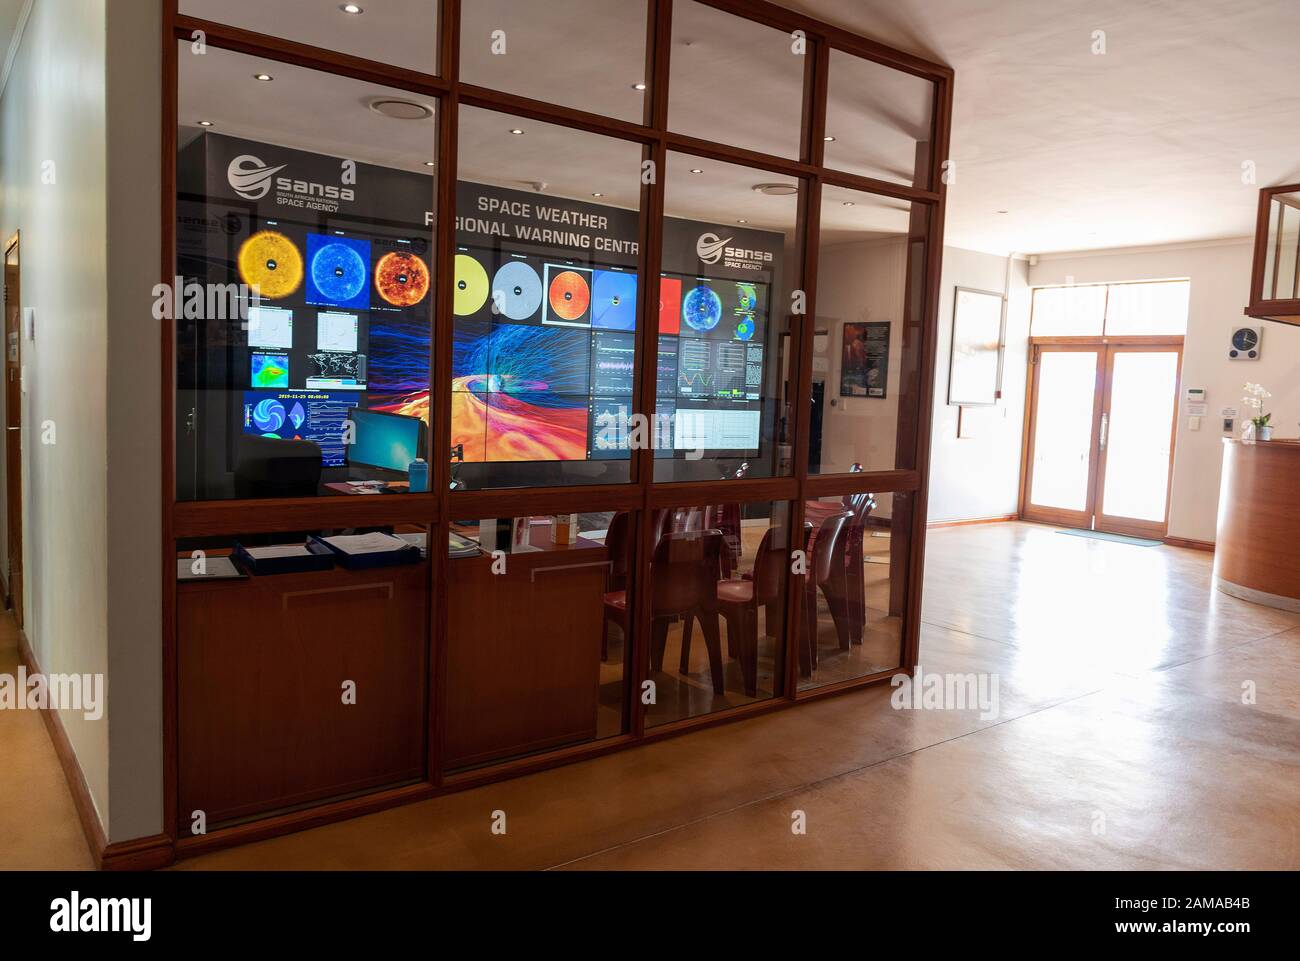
(386, 441)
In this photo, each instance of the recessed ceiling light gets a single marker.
(696, 170)
(1001, 211)
(351, 8)
(264, 77)
(776, 190)
(828, 138)
(205, 123)
(848, 203)
(742, 221)
(431, 163)
(598, 194)
(516, 131)
(638, 86)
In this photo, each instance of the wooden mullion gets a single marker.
(255, 44)
(440, 400)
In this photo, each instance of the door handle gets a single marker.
(1105, 427)
(13, 428)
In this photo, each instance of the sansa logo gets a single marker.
(709, 248)
(250, 178)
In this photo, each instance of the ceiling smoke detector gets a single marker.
(401, 109)
(776, 190)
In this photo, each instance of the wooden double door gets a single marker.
(1100, 436)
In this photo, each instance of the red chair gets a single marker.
(618, 543)
(739, 600)
(829, 573)
(682, 578)
(861, 506)
(726, 518)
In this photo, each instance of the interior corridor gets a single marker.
(1121, 741)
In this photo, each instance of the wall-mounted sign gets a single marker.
(864, 368)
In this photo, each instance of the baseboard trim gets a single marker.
(142, 854)
(1000, 519)
(90, 826)
(1190, 544)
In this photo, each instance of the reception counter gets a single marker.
(1257, 550)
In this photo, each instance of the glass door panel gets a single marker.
(1137, 439)
(1065, 401)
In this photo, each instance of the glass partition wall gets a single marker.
(641, 329)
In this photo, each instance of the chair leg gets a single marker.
(810, 625)
(709, 621)
(688, 628)
(857, 595)
(749, 657)
(658, 641)
(604, 639)
(835, 601)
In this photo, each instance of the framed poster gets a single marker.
(975, 370)
(864, 368)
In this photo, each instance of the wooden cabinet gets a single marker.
(523, 652)
(262, 664)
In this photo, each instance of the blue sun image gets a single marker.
(702, 309)
(339, 272)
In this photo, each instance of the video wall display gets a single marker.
(334, 280)
(544, 358)
(545, 302)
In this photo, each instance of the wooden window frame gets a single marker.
(217, 518)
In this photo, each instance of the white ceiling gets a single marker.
(1141, 145)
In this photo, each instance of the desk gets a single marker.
(1257, 548)
(523, 649)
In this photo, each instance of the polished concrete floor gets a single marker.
(1143, 721)
(39, 829)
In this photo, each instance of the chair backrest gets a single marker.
(618, 540)
(829, 552)
(861, 508)
(661, 519)
(272, 467)
(769, 569)
(684, 572)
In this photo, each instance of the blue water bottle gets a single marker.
(417, 475)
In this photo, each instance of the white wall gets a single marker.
(858, 283)
(978, 477)
(89, 260)
(1220, 286)
(52, 121)
(134, 435)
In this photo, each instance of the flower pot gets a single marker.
(1264, 433)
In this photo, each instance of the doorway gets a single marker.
(13, 430)
(1101, 428)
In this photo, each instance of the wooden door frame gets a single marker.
(14, 588)
(1127, 525)
(1101, 403)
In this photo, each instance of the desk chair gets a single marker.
(272, 467)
